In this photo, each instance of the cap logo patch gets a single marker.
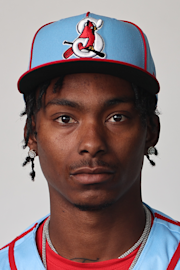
(89, 43)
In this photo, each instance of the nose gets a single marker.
(92, 140)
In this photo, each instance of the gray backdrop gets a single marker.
(21, 200)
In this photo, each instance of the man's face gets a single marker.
(91, 140)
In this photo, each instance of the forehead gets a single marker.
(90, 87)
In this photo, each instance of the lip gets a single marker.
(87, 175)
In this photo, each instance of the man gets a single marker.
(90, 95)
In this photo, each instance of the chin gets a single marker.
(95, 207)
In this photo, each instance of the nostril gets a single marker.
(92, 152)
(84, 151)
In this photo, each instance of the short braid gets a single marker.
(28, 159)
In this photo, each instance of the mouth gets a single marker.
(89, 176)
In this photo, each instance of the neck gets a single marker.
(96, 235)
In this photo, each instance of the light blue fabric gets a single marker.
(122, 42)
(156, 255)
(90, 43)
(4, 262)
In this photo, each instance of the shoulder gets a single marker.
(166, 229)
(162, 248)
(22, 248)
(166, 223)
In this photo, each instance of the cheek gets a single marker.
(54, 151)
(129, 149)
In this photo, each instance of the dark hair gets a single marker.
(145, 103)
(33, 104)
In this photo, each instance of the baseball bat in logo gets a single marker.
(89, 43)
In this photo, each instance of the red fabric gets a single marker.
(56, 262)
(20, 236)
(11, 249)
(175, 259)
(88, 33)
(4, 246)
(176, 256)
(167, 219)
(68, 53)
(11, 256)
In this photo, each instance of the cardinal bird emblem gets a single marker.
(89, 43)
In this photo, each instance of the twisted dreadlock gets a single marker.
(145, 104)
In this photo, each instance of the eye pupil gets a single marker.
(117, 117)
(65, 118)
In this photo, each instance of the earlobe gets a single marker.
(152, 135)
(30, 138)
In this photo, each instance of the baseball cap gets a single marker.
(90, 43)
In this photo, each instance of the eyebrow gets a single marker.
(63, 102)
(116, 101)
(76, 105)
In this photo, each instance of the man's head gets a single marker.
(91, 120)
(91, 124)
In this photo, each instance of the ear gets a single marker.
(32, 142)
(153, 131)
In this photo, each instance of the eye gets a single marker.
(117, 118)
(65, 119)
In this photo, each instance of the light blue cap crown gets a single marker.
(90, 43)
